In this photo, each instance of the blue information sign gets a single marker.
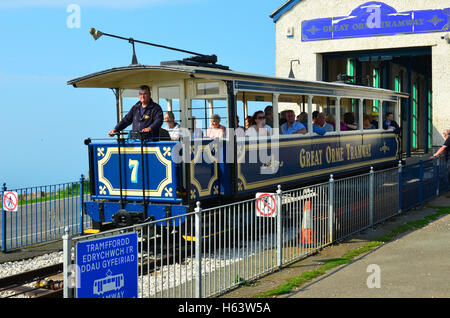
(108, 267)
(376, 18)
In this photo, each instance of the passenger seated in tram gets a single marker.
(172, 127)
(390, 123)
(282, 118)
(367, 122)
(216, 130)
(331, 120)
(248, 122)
(349, 121)
(196, 132)
(240, 131)
(268, 112)
(259, 128)
(291, 126)
(303, 119)
(374, 120)
(319, 122)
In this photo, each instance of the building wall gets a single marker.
(309, 53)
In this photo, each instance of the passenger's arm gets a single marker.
(301, 131)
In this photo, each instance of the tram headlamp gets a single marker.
(95, 33)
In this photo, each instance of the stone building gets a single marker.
(395, 44)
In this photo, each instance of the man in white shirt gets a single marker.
(172, 127)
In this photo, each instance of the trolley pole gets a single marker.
(198, 250)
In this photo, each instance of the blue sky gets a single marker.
(44, 121)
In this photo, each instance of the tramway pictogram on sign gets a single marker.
(266, 204)
(10, 201)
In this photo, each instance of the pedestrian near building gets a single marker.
(445, 147)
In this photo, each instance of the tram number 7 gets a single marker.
(134, 166)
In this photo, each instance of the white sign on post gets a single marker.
(266, 204)
(10, 201)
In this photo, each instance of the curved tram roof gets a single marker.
(133, 76)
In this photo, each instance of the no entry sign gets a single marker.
(266, 204)
(10, 201)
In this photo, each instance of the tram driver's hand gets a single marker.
(112, 133)
(146, 129)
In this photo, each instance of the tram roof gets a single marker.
(132, 76)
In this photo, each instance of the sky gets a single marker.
(45, 43)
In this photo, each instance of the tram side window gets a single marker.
(209, 118)
(324, 115)
(169, 100)
(349, 114)
(370, 114)
(257, 123)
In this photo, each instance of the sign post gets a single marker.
(108, 267)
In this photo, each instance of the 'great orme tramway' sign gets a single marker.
(376, 19)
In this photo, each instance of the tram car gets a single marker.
(108, 283)
(135, 180)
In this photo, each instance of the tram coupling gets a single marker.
(126, 218)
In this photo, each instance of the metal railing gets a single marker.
(42, 214)
(210, 251)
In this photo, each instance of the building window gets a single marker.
(376, 84)
(397, 84)
(351, 73)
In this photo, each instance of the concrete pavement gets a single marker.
(415, 264)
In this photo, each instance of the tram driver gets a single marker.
(146, 117)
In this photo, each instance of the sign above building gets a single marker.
(376, 19)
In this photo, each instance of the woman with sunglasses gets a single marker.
(259, 128)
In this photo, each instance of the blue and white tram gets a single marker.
(160, 178)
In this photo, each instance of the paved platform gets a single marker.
(414, 265)
(31, 251)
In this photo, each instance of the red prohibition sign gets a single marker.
(266, 199)
(10, 201)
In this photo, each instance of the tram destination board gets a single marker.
(108, 267)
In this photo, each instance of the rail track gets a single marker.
(45, 282)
